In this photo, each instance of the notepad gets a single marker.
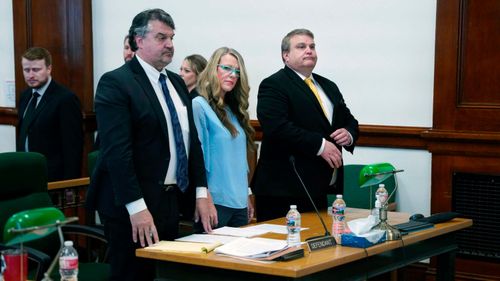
(184, 247)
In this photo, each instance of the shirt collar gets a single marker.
(152, 73)
(303, 77)
(42, 89)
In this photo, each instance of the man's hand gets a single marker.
(205, 210)
(341, 137)
(143, 227)
(332, 155)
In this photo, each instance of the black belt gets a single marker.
(169, 187)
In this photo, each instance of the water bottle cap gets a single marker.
(293, 206)
(381, 185)
(68, 243)
(339, 196)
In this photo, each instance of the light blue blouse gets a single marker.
(225, 156)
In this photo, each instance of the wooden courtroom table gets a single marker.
(339, 262)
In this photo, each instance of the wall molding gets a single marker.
(404, 137)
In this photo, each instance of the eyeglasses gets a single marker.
(230, 70)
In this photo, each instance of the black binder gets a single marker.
(412, 226)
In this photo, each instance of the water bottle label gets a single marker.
(339, 213)
(68, 262)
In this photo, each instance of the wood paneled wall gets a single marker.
(64, 27)
(466, 127)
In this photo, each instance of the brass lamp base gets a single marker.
(391, 233)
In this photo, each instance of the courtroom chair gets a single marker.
(357, 197)
(23, 181)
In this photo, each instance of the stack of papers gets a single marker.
(236, 242)
(252, 247)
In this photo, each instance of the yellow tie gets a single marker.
(310, 83)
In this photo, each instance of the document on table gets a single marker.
(252, 247)
(184, 247)
(251, 231)
(238, 231)
(207, 238)
(275, 228)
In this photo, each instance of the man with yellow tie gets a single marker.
(305, 124)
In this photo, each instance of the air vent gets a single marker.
(477, 197)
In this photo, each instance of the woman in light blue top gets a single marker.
(223, 125)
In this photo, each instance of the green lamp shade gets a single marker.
(374, 174)
(32, 224)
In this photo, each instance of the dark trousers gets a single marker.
(124, 264)
(231, 217)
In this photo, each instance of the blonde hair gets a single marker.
(209, 87)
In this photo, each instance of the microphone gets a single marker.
(292, 162)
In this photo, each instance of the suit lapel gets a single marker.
(143, 80)
(328, 92)
(306, 91)
(45, 99)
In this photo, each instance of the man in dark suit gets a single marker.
(50, 118)
(149, 150)
(304, 126)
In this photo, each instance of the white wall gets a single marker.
(7, 94)
(380, 53)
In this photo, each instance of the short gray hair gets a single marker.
(285, 43)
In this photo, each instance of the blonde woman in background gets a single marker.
(191, 67)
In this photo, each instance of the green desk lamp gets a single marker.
(34, 224)
(374, 174)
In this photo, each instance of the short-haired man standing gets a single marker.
(149, 150)
(50, 118)
(305, 123)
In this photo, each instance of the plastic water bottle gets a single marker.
(376, 211)
(338, 214)
(68, 262)
(293, 226)
(381, 194)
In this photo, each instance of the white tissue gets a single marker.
(363, 225)
(363, 228)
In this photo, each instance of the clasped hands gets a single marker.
(331, 154)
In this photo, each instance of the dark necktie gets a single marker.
(182, 161)
(28, 115)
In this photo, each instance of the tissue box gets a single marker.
(364, 241)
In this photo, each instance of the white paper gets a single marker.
(275, 228)
(239, 232)
(251, 247)
(207, 238)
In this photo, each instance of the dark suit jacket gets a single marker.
(55, 131)
(134, 148)
(293, 123)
